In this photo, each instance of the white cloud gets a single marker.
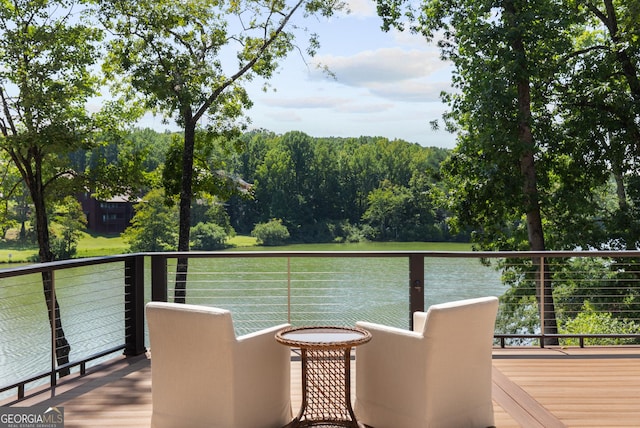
(364, 108)
(357, 105)
(381, 65)
(305, 102)
(411, 91)
(283, 116)
(394, 74)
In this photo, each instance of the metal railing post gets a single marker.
(289, 290)
(543, 315)
(416, 285)
(159, 292)
(54, 338)
(134, 306)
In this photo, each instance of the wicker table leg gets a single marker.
(326, 389)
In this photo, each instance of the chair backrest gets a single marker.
(191, 363)
(458, 347)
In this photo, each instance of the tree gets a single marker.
(272, 232)
(46, 55)
(589, 321)
(386, 209)
(598, 100)
(208, 236)
(10, 183)
(70, 222)
(505, 58)
(279, 180)
(320, 187)
(153, 227)
(213, 227)
(172, 52)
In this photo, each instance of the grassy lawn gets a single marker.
(88, 246)
(101, 245)
(12, 255)
(92, 245)
(243, 241)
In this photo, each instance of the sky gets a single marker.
(386, 84)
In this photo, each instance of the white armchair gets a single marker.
(203, 376)
(438, 375)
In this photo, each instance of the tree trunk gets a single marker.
(530, 189)
(62, 347)
(186, 192)
(620, 188)
(536, 241)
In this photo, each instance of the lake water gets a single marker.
(259, 292)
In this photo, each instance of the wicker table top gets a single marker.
(323, 337)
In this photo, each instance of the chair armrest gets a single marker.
(380, 329)
(387, 369)
(259, 352)
(265, 332)
(390, 348)
(262, 370)
(390, 353)
(419, 321)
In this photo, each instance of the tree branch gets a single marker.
(7, 114)
(268, 42)
(584, 51)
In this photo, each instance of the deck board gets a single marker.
(582, 389)
(533, 388)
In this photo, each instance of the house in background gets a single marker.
(107, 216)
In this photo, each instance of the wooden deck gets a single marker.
(546, 388)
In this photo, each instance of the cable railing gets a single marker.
(564, 298)
(300, 290)
(96, 316)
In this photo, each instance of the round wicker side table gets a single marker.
(326, 373)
